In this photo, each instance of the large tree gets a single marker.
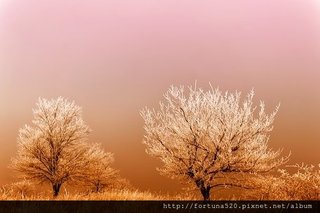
(209, 138)
(54, 149)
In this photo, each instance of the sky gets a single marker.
(115, 57)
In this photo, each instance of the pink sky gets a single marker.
(115, 57)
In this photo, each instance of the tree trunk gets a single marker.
(205, 191)
(98, 187)
(56, 189)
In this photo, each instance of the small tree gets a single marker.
(204, 138)
(303, 184)
(99, 174)
(54, 149)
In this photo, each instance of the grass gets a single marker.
(114, 194)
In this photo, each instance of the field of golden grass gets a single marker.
(115, 194)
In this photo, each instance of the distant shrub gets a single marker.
(17, 190)
(303, 184)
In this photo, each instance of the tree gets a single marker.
(303, 184)
(99, 173)
(54, 150)
(206, 138)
